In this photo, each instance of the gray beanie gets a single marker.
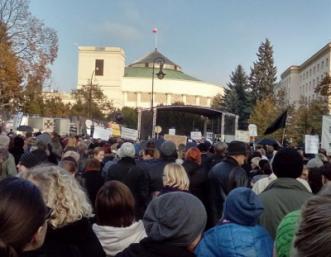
(168, 148)
(177, 218)
(126, 150)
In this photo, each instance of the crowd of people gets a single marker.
(74, 196)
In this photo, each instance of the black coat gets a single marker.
(135, 178)
(155, 174)
(73, 240)
(92, 181)
(149, 248)
(223, 177)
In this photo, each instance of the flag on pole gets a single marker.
(155, 30)
(280, 122)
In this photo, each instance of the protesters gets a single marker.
(174, 179)
(174, 223)
(23, 218)
(115, 226)
(127, 172)
(285, 194)
(17, 148)
(70, 232)
(237, 233)
(219, 176)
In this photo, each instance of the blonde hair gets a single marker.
(174, 175)
(61, 192)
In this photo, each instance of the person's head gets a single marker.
(93, 165)
(99, 153)
(265, 166)
(23, 216)
(69, 164)
(176, 218)
(193, 154)
(127, 150)
(174, 175)
(315, 179)
(61, 192)
(72, 154)
(326, 173)
(149, 150)
(255, 163)
(168, 150)
(313, 237)
(114, 205)
(27, 161)
(314, 163)
(287, 163)
(220, 148)
(204, 147)
(305, 173)
(238, 151)
(242, 206)
(18, 142)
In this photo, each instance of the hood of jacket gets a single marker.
(116, 239)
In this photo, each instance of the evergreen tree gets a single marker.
(263, 73)
(236, 97)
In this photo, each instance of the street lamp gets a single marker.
(90, 102)
(160, 75)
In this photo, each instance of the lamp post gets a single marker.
(160, 75)
(90, 102)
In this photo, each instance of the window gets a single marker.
(318, 67)
(99, 67)
(322, 65)
(310, 72)
(314, 69)
(132, 97)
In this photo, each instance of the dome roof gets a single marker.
(152, 57)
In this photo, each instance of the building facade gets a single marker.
(301, 80)
(131, 85)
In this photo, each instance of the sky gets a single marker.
(208, 39)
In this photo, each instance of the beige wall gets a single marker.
(114, 64)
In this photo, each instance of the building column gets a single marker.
(197, 100)
(138, 99)
(209, 101)
(168, 99)
(184, 99)
(125, 98)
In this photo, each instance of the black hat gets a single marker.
(287, 163)
(29, 160)
(237, 148)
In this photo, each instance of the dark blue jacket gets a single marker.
(233, 240)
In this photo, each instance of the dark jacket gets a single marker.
(221, 182)
(73, 240)
(149, 248)
(231, 240)
(281, 197)
(126, 171)
(155, 174)
(92, 181)
(198, 179)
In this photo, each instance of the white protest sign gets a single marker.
(129, 134)
(326, 134)
(242, 135)
(172, 131)
(252, 129)
(311, 144)
(196, 135)
(210, 136)
(102, 133)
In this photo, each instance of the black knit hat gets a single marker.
(287, 164)
(29, 160)
(237, 148)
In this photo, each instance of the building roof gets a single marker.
(146, 72)
(153, 57)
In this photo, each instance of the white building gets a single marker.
(131, 85)
(301, 81)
